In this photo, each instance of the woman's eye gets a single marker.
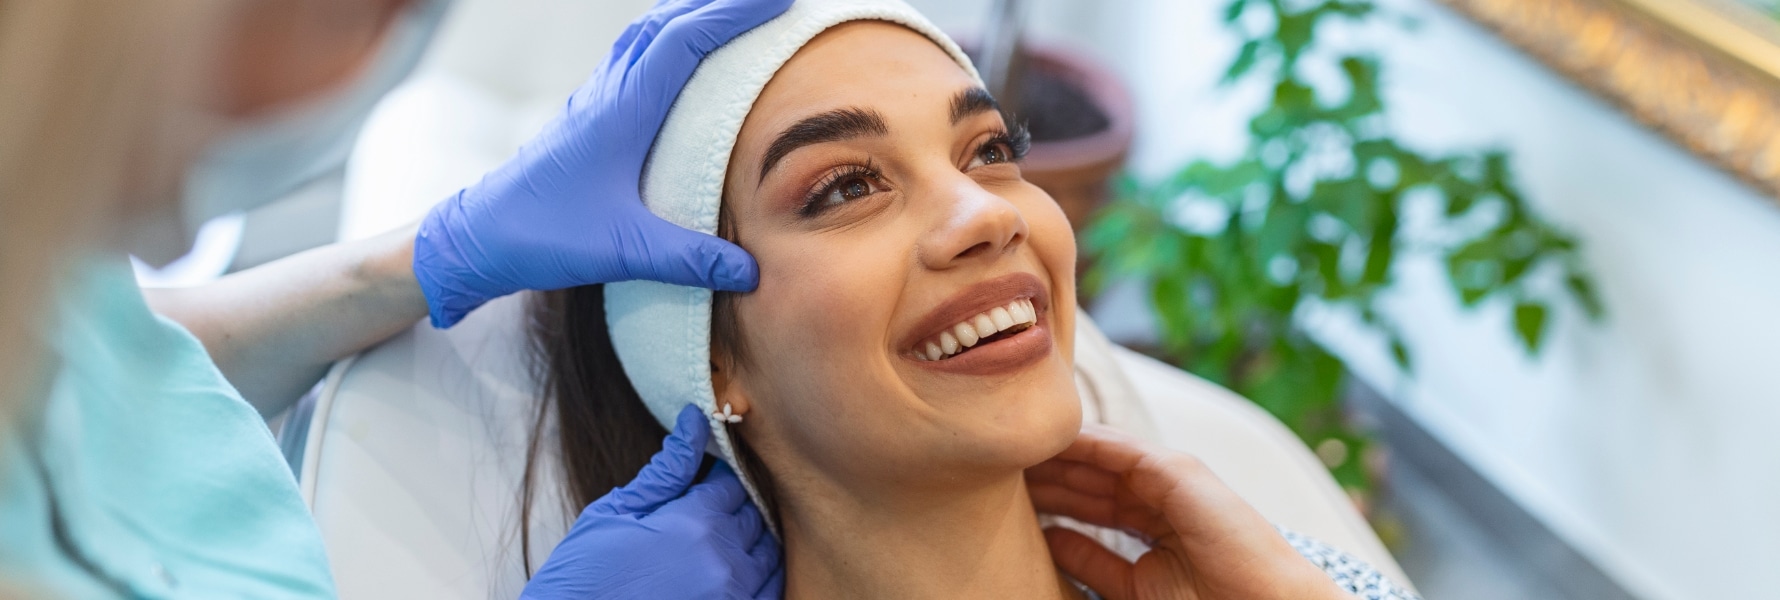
(990, 154)
(847, 190)
(840, 188)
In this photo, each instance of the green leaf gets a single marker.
(1400, 353)
(1213, 180)
(1294, 96)
(1495, 170)
(1362, 78)
(1529, 323)
(1327, 259)
(1348, 200)
(1480, 249)
(1121, 228)
(1294, 34)
(1326, 375)
(1233, 11)
(1412, 169)
(1245, 60)
(1350, 9)
(1283, 228)
(1474, 271)
(1168, 296)
(1471, 296)
(1584, 291)
(1461, 194)
(1381, 251)
(1514, 268)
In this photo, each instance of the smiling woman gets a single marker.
(909, 352)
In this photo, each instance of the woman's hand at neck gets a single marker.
(1206, 543)
(983, 541)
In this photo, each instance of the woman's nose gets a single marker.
(972, 224)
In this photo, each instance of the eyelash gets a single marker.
(1018, 142)
(813, 203)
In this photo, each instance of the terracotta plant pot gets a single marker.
(1081, 117)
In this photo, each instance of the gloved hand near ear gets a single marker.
(663, 537)
(566, 211)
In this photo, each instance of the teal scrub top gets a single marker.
(143, 474)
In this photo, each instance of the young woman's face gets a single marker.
(914, 322)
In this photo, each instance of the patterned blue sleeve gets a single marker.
(1352, 574)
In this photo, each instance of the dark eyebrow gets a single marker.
(972, 101)
(832, 126)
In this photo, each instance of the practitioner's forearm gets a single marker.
(274, 329)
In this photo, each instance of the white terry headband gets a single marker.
(662, 332)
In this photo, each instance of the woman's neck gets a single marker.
(980, 542)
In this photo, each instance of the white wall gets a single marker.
(1647, 441)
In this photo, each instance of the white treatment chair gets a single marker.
(412, 455)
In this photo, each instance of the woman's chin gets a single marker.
(1041, 430)
(1060, 434)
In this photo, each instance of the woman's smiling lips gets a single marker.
(1010, 310)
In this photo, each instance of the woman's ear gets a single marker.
(726, 388)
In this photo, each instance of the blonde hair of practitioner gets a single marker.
(89, 112)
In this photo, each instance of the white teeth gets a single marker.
(967, 333)
(1022, 312)
(985, 327)
(1001, 319)
(948, 343)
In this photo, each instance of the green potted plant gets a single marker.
(1313, 212)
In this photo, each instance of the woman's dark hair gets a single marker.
(604, 432)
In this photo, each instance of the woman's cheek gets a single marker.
(823, 344)
(1053, 240)
(1051, 231)
(824, 305)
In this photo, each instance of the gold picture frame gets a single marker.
(1706, 73)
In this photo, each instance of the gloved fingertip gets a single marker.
(735, 270)
(691, 422)
(715, 24)
(441, 315)
(440, 266)
(668, 475)
(692, 431)
(764, 8)
(682, 256)
(726, 267)
(442, 321)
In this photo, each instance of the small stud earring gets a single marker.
(725, 415)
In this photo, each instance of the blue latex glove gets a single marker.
(655, 538)
(566, 211)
